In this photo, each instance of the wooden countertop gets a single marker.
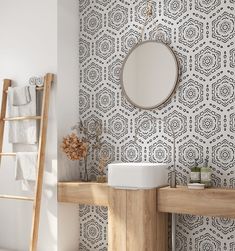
(209, 202)
(90, 193)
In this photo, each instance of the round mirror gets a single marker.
(149, 74)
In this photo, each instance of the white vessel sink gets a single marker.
(137, 175)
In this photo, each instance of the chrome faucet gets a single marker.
(173, 172)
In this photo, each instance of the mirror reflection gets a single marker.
(149, 74)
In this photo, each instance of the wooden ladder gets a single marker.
(48, 79)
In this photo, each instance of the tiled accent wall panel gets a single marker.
(202, 34)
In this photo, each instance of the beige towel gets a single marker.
(23, 131)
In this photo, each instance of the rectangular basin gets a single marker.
(137, 175)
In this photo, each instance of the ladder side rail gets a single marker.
(41, 160)
(6, 84)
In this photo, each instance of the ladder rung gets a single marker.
(37, 88)
(22, 118)
(7, 154)
(12, 197)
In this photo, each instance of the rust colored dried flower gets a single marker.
(75, 148)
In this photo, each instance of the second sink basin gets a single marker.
(137, 175)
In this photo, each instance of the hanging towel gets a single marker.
(26, 163)
(25, 169)
(21, 96)
(22, 131)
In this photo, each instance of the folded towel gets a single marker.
(22, 131)
(20, 96)
(25, 169)
(38, 81)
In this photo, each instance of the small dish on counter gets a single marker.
(196, 186)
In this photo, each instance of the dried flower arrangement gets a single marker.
(77, 148)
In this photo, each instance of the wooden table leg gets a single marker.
(141, 220)
(117, 220)
(162, 231)
(134, 223)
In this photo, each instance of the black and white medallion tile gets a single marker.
(202, 34)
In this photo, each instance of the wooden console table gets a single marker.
(138, 219)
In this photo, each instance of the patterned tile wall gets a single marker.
(202, 34)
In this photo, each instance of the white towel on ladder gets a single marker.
(25, 169)
(22, 131)
(21, 96)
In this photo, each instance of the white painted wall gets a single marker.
(68, 80)
(67, 102)
(28, 46)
